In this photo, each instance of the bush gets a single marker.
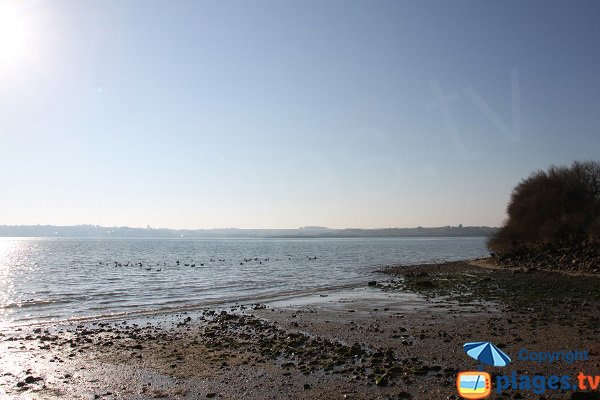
(556, 207)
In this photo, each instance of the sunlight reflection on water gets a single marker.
(7, 291)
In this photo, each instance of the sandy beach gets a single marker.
(399, 337)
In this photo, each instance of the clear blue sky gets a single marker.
(289, 113)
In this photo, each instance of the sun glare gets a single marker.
(16, 35)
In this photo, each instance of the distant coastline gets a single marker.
(304, 232)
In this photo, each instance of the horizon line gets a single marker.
(307, 227)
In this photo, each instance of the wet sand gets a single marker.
(398, 339)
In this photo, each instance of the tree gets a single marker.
(554, 207)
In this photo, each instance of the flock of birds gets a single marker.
(192, 264)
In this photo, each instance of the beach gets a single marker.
(399, 336)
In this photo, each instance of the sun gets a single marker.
(16, 35)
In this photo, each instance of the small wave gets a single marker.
(161, 310)
(33, 303)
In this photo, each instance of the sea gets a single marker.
(49, 280)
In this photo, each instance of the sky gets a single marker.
(281, 114)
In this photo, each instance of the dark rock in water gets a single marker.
(31, 379)
(425, 284)
(307, 386)
(211, 395)
(372, 283)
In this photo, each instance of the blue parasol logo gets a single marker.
(487, 353)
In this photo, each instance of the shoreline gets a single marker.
(224, 302)
(167, 311)
(490, 263)
(399, 339)
(265, 297)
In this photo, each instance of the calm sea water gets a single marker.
(56, 279)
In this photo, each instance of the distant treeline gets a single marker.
(306, 232)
